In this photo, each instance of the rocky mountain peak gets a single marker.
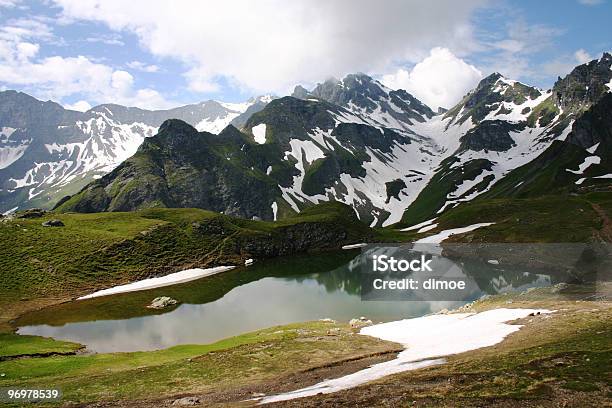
(300, 92)
(493, 93)
(585, 85)
(357, 89)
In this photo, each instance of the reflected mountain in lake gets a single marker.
(275, 292)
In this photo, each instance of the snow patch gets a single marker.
(425, 340)
(171, 279)
(275, 210)
(593, 148)
(588, 161)
(10, 154)
(418, 226)
(259, 133)
(217, 124)
(9, 212)
(427, 228)
(441, 236)
(354, 246)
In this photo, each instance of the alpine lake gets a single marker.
(268, 293)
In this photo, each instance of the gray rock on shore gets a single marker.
(162, 302)
(359, 323)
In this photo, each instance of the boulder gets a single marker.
(186, 402)
(53, 223)
(162, 302)
(359, 323)
(31, 213)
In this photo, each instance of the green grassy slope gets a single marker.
(550, 219)
(94, 251)
(433, 197)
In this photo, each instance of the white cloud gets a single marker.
(564, 65)
(590, 2)
(512, 54)
(8, 3)
(112, 39)
(270, 45)
(59, 77)
(141, 66)
(81, 106)
(440, 80)
(582, 57)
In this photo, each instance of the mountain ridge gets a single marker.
(47, 151)
(381, 151)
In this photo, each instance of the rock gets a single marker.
(559, 287)
(248, 262)
(186, 402)
(491, 135)
(53, 223)
(255, 218)
(334, 331)
(327, 320)
(162, 302)
(32, 213)
(359, 323)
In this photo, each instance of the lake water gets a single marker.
(275, 292)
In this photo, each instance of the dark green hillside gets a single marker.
(94, 251)
(180, 167)
(433, 197)
(544, 219)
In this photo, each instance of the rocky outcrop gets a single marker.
(162, 302)
(585, 85)
(360, 323)
(31, 213)
(493, 135)
(53, 223)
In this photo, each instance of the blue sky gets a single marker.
(158, 54)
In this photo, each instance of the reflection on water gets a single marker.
(272, 293)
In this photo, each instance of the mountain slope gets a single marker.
(507, 137)
(47, 151)
(180, 167)
(291, 155)
(380, 151)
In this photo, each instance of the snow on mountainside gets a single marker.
(373, 124)
(47, 152)
(500, 126)
(353, 140)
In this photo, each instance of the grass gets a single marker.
(196, 292)
(545, 112)
(14, 345)
(434, 195)
(553, 360)
(246, 359)
(545, 219)
(560, 357)
(47, 265)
